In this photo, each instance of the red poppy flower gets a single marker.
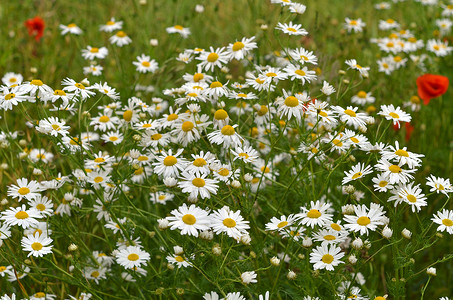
(35, 27)
(431, 86)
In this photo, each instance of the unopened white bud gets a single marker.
(192, 199)
(406, 234)
(264, 27)
(199, 8)
(154, 42)
(162, 224)
(72, 247)
(370, 120)
(362, 129)
(307, 242)
(347, 209)
(85, 82)
(23, 143)
(4, 201)
(248, 177)
(206, 235)
(236, 184)
(245, 239)
(170, 182)
(275, 261)
(37, 172)
(367, 244)
(387, 232)
(4, 166)
(216, 250)
(178, 250)
(291, 275)
(431, 271)
(23, 155)
(170, 267)
(349, 189)
(357, 243)
(352, 259)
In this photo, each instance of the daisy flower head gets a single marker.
(93, 53)
(111, 25)
(186, 132)
(201, 163)
(249, 277)
(33, 87)
(388, 24)
(297, 8)
(245, 153)
(327, 89)
(132, 257)
(213, 58)
(394, 114)
(183, 31)
(120, 39)
(355, 25)
(439, 185)
(105, 121)
(227, 136)
(189, 220)
(53, 126)
(303, 56)
(330, 236)
(413, 196)
(281, 224)
(352, 63)
(145, 64)
(240, 49)
(351, 117)
(229, 222)
(12, 79)
(169, 164)
(43, 205)
(365, 218)
(326, 257)
(291, 29)
(358, 171)
(315, 214)
(362, 98)
(444, 218)
(37, 245)
(438, 47)
(10, 97)
(24, 189)
(179, 260)
(291, 106)
(381, 183)
(394, 172)
(95, 70)
(400, 154)
(77, 88)
(303, 74)
(198, 185)
(70, 28)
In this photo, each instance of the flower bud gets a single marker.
(163, 224)
(352, 259)
(206, 235)
(216, 250)
(275, 261)
(406, 234)
(431, 271)
(357, 243)
(387, 232)
(291, 275)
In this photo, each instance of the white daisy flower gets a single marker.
(38, 245)
(445, 219)
(291, 29)
(189, 220)
(145, 64)
(93, 53)
(315, 215)
(24, 189)
(357, 172)
(365, 218)
(326, 257)
(229, 222)
(198, 185)
(132, 257)
(394, 114)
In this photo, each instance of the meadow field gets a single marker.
(235, 149)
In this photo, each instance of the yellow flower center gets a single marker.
(72, 25)
(220, 114)
(98, 179)
(361, 94)
(199, 162)
(104, 119)
(327, 259)
(357, 175)
(139, 171)
(230, 223)
(447, 222)
(39, 231)
(411, 198)
(391, 21)
(146, 64)
(300, 72)
(313, 213)
(282, 224)
(187, 126)
(228, 130)
(94, 50)
(99, 160)
(383, 183)
(189, 219)
(40, 207)
(197, 77)
(132, 257)
(142, 158)
(179, 258)
(337, 143)
(121, 34)
(156, 136)
(216, 84)
(95, 274)
(243, 154)
(213, 57)
(353, 22)
(10, 96)
(350, 112)
(291, 29)
(113, 138)
(335, 226)
(36, 246)
(363, 221)
(395, 169)
(24, 191)
(40, 295)
(291, 101)
(178, 27)
(170, 161)
(402, 152)
(329, 237)
(198, 182)
(260, 81)
(172, 117)
(265, 169)
(415, 100)
(59, 93)
(238, 46)
(394, 115)
(2, 269)
(271, 74)
(223, 172)
(127, 115)
(355, 140)
(36, 82)
(21, 215)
